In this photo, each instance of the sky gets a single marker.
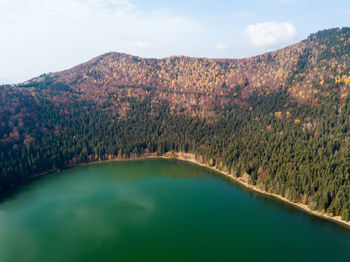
(41, 36)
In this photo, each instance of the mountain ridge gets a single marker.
(202, 80)
(281, 120)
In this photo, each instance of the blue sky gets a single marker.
(50, 35)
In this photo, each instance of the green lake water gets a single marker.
(157, 210)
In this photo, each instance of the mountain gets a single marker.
(281, 118)
(306, 69)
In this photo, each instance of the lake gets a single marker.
(157, 210)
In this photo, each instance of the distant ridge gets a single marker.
(278, 121)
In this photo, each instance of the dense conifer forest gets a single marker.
(290, 138)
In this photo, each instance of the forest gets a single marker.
(297, 148)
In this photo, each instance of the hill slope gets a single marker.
(307, 69)
(280, 119)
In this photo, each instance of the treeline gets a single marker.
(296, 151)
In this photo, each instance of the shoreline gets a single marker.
(190, 157)
(13, 186)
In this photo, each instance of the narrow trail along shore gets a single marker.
(189, 157)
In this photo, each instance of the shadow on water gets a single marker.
(130, 173)
(165, 168)
(279, 203)
(137, 210)
(16, 190)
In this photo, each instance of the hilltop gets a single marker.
(306, 69)
(279, 120)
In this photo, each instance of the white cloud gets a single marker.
(270, 33)
(48, 35)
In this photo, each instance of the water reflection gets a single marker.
(140, 210)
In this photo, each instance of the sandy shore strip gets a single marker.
(189, 157)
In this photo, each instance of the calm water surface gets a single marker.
(157, 210)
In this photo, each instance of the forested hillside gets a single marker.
(280, 119)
